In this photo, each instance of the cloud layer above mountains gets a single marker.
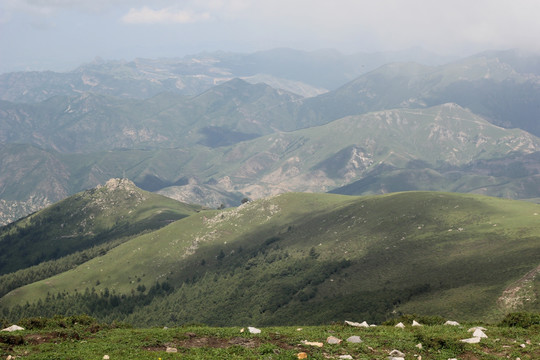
(34, 33)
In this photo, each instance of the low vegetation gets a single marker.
(82, 337)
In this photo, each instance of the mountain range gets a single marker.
(279, 187)
(239, 139)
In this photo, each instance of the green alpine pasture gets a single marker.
(308, 259)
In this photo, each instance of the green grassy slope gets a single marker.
(117, 209)
(306, 258)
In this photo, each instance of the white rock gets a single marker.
(396, 353)
(354, 339)
(479, 333)
(345, 357)
(396, 358)
(473, 340)
(451, 323)
(312, 343)
(419, 346)
(171, 350)
(523, 346)
(106, 357)
(333, 340)
(357, 324)
(400, 325)
(473, 329)
(13, 328)
(253, 330)
(416, 323)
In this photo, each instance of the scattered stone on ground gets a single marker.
(419, 346)
(356, 324)
(416, 323)
(396, 358)
(479, 333)
(345, 357)
(473, 340)
(354, 339)
(253, 330)
(473, 329)
(333, 340)
(400, 325)
(106, 357)
(396, 353)
(171, 350)
(523, 346)
(451, 323)
(312, 343)
(299, 329)
(13, 328)
(302, 355)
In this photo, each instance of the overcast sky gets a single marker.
(61, 34)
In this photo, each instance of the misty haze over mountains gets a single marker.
(214, 128)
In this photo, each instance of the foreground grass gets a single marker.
(89, 340)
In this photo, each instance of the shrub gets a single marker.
(521, 319)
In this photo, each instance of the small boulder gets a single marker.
(419, 346)
(396, 353)
(106, 357)
(479, 333)
(416, 323)
(302, 355)
(253, 330)
(312, 343)
(171, 350)
(473, 340)
(400, 325)
(451, 323)
(13, 328)
(354, 339)
(333, 340)
(473, 329)
(356, 324)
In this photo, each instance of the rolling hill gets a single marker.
(308, 259)
(107, 213)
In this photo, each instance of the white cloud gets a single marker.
(145, 15)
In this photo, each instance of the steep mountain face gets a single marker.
(311, 258)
